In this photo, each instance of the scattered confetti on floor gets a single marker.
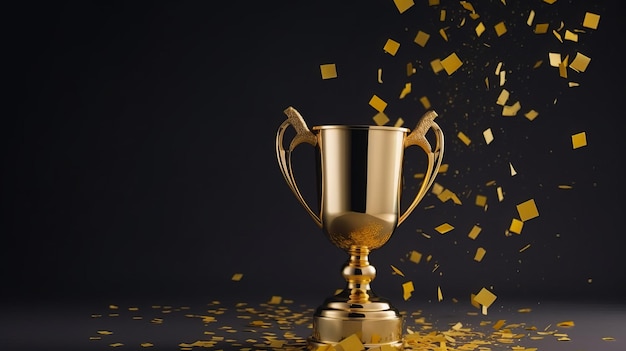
(284, 324)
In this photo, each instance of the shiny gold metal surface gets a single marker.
(359, 169)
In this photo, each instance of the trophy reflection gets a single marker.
(359, 172)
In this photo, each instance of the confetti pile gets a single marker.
(281, 324)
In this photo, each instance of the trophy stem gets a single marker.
(358, 274)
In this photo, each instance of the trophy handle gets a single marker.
(303, 135)
(418, 137)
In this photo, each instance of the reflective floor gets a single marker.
(283, 323)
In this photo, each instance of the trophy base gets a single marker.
(377, 324)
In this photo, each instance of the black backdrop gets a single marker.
(138, 147)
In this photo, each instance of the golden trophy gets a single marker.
(359, 172)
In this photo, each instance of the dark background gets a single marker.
(138, 145)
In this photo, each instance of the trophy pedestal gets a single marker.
(376, 323)
(357, 311)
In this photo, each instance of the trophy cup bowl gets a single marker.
(359, 173)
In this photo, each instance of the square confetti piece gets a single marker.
(516, 226)
(500, 29)
(485, 297)
(580, 62)
(579, 140)
(403, 5)
(527, 210)
(377, 103)
(415, 257)
(436, 66)
(451, 63)
(328, 71)
(380, 119)
(391, 47)
(591, 20)
(421, 38)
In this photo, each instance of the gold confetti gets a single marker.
(391, 47)
(531, 115)
(236, 277)
(407, 289)
(116, 344)
(444, 228)
(579, 140)
(499, 324)
(608, 338)
(580, 62)
(436, 65)
(500, 29)
(512, 170)
(480, 253)
(480, 29)
(500, 193)
(377, 103)
(425, 102)
(527, 210)
(396, 271)
(516, 226)
(328, 71)
(473, 234)
(451, 63)
(421, 38)
(488, 135)
(406, 90)
(464, 138)
(524, 248)
(571, 36)
(541, 28)
(104, 332)
(565, 324)
(503, 97)
(351, 343)
(485, 297)
(481, 200)
(511, 110)
(554, 59)
(439, 294)
(146, 344)
(415, 257)
(380, 119)
(591, 20)
(403, 5)
(275, 300)
(442, 33)
(531, 18)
